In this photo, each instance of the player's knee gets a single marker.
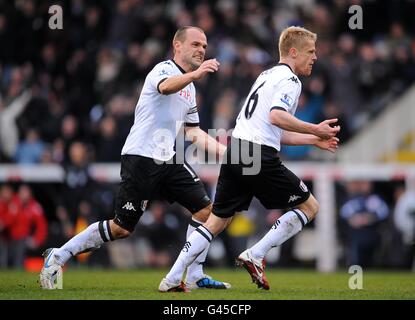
(314, 207)
(119, 232)
(203, 215)
(216, 224)
(310, 207)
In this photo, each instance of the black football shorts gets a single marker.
(274, 185)
(143, 180)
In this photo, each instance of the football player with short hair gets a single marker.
(265, 122)
(149, 166)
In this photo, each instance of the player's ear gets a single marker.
(293, 52)
(176, 45)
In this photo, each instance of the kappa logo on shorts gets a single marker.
(129, 206)
(293, 198)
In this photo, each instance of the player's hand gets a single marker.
(324, 129)
(330, 145)
(208, 66)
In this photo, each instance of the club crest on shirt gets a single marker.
(286, 99)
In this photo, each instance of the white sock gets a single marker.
(91, 238)
(195, 270)
(284, 228)
(197, 242)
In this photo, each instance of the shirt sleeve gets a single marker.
(160, 73)
(286, 95)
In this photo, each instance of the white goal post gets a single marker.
(322, 175)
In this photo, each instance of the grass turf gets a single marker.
(143, 284)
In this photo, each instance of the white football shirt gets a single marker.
(158, 117)
(277, 87)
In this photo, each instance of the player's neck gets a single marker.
(289, 63)
(183, 66)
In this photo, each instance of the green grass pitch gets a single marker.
(143, 284)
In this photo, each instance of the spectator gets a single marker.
(29, 227)
(70, 133)
(30, 150)
(344, 89)
(362, 212)
(78, 182)
(108, 141)
(9, 135)
(372, 74)
(8, 210)
(404, 220)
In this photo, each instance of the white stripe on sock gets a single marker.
(302, 215)
(206, 232)
(191, 228)
(106, 231)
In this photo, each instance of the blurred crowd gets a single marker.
(68, 97)
(81, 83)
(375, 226)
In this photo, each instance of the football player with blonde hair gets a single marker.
(265, 122)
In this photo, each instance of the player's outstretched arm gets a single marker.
(299, 139)
(288, 122)
(204, 141)
(177, 83)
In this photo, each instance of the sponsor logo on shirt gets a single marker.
(286, 99)
(185, 93)
(164, 72)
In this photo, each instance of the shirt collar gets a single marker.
(178, 67)
(284, 64)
